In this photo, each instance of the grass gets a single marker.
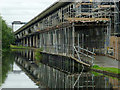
(109, 69)
(18, 47)
(96, 74)
(38, 56)
(100, 74)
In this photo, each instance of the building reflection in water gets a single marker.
(56, 77)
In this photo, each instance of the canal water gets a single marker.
(20, 69)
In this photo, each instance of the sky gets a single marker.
(22, 10)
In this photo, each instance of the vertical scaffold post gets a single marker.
(116, 49)
(78, 42)
(107, 41)
(73, 37)
(66, 46)
(56, 43)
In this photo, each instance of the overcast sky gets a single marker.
(22, 10)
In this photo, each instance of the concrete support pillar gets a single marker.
(37, 41)
(27, 40)
(53, 47)
(44, 41)
(56, 42)
(33, 41)
(40, 40)
(23, 41)
(30, 41)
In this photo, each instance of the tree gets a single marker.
(7, 35)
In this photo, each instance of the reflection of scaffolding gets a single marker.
(53, 78)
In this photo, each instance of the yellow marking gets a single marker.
(90, 0)
(87, 19)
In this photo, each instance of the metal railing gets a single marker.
(85, 52)
(77, 52)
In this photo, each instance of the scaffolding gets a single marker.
(87, 24)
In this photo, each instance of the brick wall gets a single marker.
(115, 44)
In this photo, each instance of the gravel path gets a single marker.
(105, 61)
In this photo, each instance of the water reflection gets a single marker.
(7, 63)
(12, 75)
(65, 64)
(50, 77)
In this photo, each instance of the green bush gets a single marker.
(38, 56)
(95, 66)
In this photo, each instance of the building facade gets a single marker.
(65, 26)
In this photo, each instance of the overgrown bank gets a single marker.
(107, 70)
(19, 47)
(38, 56)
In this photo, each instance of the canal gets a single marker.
(20, 69)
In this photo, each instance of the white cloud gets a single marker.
(22, 10)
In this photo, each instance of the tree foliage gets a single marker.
(7, 35)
